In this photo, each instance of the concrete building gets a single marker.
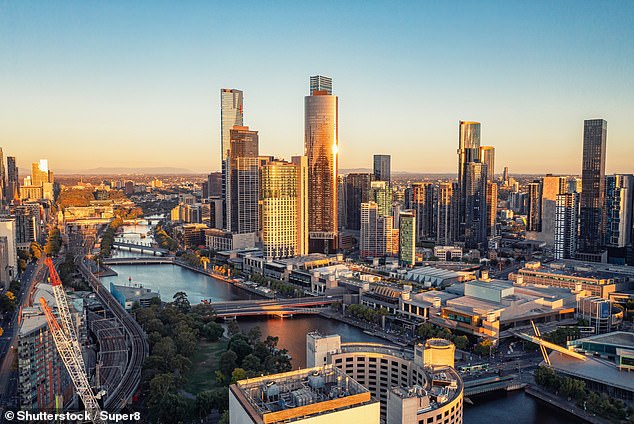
(407, 238)
(447, 253)
(619, 211)
(318, 395)
(381, 194)
(377, 233)
(566, 225)
(128, 296)
(381, 368)
(8, 252)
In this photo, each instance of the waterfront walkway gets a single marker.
(564, 405)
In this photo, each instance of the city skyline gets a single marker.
(99, 94)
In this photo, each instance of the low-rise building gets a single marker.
(128, 296)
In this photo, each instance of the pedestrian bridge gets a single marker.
(281, 308)
(139, 247)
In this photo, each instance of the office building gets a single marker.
(322, 395)
(244, 180)
(382, 169)
(534, 207)
(395, 375)
(591, 230)
(492, 203)
(475, 222)
(342, 212)
(13, 180)
(3, 179)
(468, 147)
(321, 147)
(487, 157)
(505, 175)
(8, 252)
(357, 191)
(447, 213)
(283, 200)
(407, 238)
(214, 185)
(566, 225)
(27, 227)
(231, 115)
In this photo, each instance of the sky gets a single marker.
(137, 84)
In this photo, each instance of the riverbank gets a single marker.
(370, 329)
(562, 404)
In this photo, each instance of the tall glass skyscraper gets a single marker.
(382, 168)
(468, 146)
(13, 181)
(591, 234)
(243, 169)
(487, 156)
(357, 192)
(321, 147)
(231, 114)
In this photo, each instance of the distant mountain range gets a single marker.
(158, 170)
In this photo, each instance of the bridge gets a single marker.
(148, 260)
(281, 308)
(543, 345)
(491, 384)
(142, 247)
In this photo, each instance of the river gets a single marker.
(515, 408)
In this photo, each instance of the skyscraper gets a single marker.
(381, 193)
(468, 146)
(321, 147)
(283, 201)
(377, 233)
(242, 203)
(591, 235)
(423, 203)
(447, 211)
(475, 228)
(357, 192)
(619, 201)
(407, 238)
(505, 175)
(566, 225)
(492, 204)
(487, 157)
(382, 171)
(13, 180)
(551, 186)
(231, 114)
(534, 207)
(3, 179)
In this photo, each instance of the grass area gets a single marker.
(202, 375)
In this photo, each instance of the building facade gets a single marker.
(382, 168)
(357, 191)
(243, 166)
(231, 114)
(407, 238)
(566, 225)
(321, 147)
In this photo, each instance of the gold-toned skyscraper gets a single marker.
(284, 206)
(321, 145)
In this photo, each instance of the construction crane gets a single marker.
(65, 339)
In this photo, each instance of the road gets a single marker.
(8, 377)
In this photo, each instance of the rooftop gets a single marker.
(283, 397)
(617, 338)
(593, 369)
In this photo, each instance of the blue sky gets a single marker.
(117, 83)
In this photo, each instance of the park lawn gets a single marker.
(202, 375)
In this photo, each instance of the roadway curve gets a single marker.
(137, 344)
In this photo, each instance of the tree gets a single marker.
(35, 250)
(240, 346)
(166, 348)
(254, 335)
(233, 328)
(484, 348)
(212, 331)
(461, 342)
(181, 302)
(237, 375)
(228, 362)
(251, 363)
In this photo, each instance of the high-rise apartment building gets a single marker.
(619, 202)
(407, 238)
(574, 185)
(242, 166)
(321, 147)
(492, 203)
(505, 175)
(284, 204)
(377, 232)
(382, 168)
(8, 252)
(468, 147)
(447, 214)
(231, 114)
(474, 197)
(381, 193)
(487, 157)
(566, 225)
(424, 203)
(3, 179)
(550, 187)
(591, 229)
(534, 207)
(13, 180)
(357, 191)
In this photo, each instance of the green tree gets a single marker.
(181, 302)
(251, 363)
(461, 342)
(228, 362)
(237, 375)
(212, 331)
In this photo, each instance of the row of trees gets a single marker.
(108, 237)
(53, 242)
(428, 331)
(574, 389)
(366, 313)
(8, 300)
(164, 240)
(282, 287)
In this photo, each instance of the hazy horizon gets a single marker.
(120, 84)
